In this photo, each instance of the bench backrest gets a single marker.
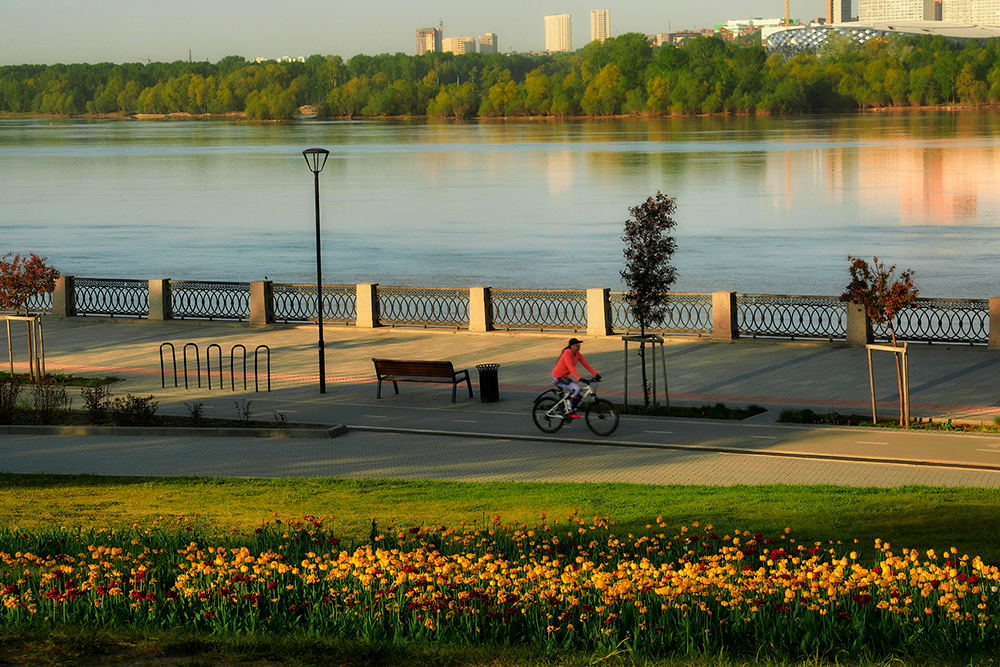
(414, 368)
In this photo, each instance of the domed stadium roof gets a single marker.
(791, 40)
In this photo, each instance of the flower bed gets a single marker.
(572, 585)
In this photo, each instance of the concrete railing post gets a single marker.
(367, 306)
(64, 297)
(859, 325)
(480, 309)
(725, 325)
(261, 302)
(599, 320)
(160, 307)
(994, 322)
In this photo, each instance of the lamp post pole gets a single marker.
(316, 159)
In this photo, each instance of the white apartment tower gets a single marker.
(558, 35)
(488, 43)
(977, 12)
(428, 39)
(896, 10)
(458, 45)
(600, 25)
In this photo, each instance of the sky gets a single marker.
(46, 32)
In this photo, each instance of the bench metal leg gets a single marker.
(395, 386)
(454, 387)
(469, 383)
(378, 393)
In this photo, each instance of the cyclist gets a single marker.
(566, 367)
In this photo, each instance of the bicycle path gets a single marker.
(947, 381)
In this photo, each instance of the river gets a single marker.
(765, 205)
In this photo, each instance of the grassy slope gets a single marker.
(916, 517)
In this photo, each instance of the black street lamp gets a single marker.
(316, 159)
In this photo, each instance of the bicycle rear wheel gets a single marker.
(546, 418)
(602, 417)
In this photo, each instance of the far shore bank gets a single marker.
(307, 112)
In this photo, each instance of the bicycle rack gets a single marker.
(208, 362)
(256, 387)
(173, 354)
(197, 357)
(232, 374)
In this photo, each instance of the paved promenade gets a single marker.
(420, 434)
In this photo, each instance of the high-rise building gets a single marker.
(841, 11)
(600, 25)
(428, 39)
(977, 12)
(896, 10)
(459, 45)
(488, 43)
(558, 34)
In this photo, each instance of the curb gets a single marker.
(334, 431)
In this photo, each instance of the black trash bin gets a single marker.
(489, 382)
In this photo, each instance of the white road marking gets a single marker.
(465, 421)
(657, 431)
(764, 437)
(375, 416)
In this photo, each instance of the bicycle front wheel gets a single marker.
(547, 417)
(602, 417)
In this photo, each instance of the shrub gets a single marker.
(10, 391)
(134, 411)
(97, 400)
(48, 399)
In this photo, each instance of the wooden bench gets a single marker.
(419, 371)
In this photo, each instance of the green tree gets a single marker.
(883, 296)
(606, 93)
(648, 273)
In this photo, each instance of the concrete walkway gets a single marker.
(420, 434)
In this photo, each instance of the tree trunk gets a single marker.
(642, 356)
(899, 378)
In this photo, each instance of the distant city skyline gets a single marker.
(92, 31)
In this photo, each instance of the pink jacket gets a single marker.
(566, 366)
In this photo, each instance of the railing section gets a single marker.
(112, 297)
(210, 300)
(788, 316)
(424, 306)
(297, 303)
(942, 320)
(686, 314)
(540, 310)
(40, 303)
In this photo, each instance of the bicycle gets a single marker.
(552, 409)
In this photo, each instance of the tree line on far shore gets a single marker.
(622, 75)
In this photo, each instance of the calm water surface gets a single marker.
(765, 205)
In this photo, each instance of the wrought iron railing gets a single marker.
(210, 300)
(757, 315)
(942, 320)
(541, 310)
(111, 297)
(423, 306)
(686, 314)
(788, 316)
(297, 303)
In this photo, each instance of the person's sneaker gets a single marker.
(574, 415)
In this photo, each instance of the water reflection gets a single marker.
(766, 204)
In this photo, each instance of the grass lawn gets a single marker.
(920, 518)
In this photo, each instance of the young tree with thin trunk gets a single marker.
(882, 295)
(20, 280)
(648, 272)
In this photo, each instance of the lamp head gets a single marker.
(316, 158)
